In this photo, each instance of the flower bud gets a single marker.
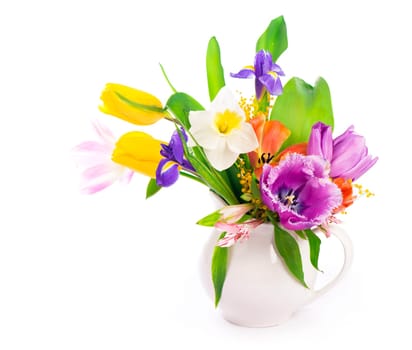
(138, 151)
(134, 106)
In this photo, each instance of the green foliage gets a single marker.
(181, 104)
(274, 39)
(210, 220)
(167, 78)
(300, 106)
(314, 246)
(213, 179)
(215, 75)
(152, 188)
(289, 251)
(219, 269)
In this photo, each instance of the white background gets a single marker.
(113, 271)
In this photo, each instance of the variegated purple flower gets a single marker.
(168, 169)
(300, 191)
(266, 74)
(347, 154)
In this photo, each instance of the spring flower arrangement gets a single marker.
(271, 158)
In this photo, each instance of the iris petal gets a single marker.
(244, 74)
(167, 173)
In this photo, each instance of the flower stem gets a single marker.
(167, 79)
(193, 177)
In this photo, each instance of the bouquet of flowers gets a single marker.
(269, 158)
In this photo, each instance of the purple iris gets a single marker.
(300, 191)
(167, 171)
(266, 74)
(347, 154)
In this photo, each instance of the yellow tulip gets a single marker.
(134, 106)
(138, 151)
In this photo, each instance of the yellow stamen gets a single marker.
(227, 121)
(362, 191)
(290, 199)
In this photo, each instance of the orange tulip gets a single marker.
(347, 194)
(271, 135)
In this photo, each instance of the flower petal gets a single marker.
(300, 191)
(99, 177)
(132, 105)
(244, 74)
(138, 151)
(225, 100)
(242, 140)
(263, 63)
(320, 141)
(272, 84)
(206, 137)
(169, 176)
(104, 132)
(233, 213)
(222, 157)
(275, 68)
(274, 135)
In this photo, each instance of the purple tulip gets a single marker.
(168, 169)
(266, 74)
(350, 158)
(300, 191)
(347, 154)
(320, 141)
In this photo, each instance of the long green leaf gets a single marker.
(300, 106)
(181, 104)
(274, 39)
(219, 269)
(152, 188)
(289, 251)
(314, 247)
(213, 180)
(215, 76)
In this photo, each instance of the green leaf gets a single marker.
(254, 186)
(302, 105)
(215, 76)
(289, 251)
(167, 78)
(213, 179)
(152, 188)
(219, 268)
(232, 177)
(274, 39)
(314, 246)
(211, 219)
(301, 234)
(181, 104)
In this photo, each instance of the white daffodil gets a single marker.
(222, 131)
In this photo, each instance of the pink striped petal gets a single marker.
(105, 134)
(91, 189)
(92, 147)
(126, 177)
(97, 171)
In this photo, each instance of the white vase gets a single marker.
(259, 291)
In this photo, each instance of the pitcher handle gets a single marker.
(346, 242)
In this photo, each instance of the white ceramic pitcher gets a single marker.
(259, 291)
